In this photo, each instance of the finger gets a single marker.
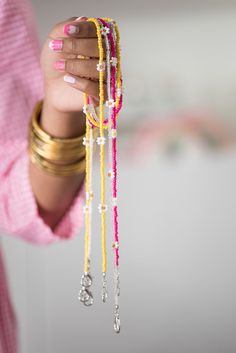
(75, 28)
(84, 85)
(57, 30)
(79, 67)
(81, 29)
(87, 47)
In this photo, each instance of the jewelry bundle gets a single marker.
(109, 68)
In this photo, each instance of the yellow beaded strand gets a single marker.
(102, 150)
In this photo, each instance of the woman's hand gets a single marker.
(66, 76)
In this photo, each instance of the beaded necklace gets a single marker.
(109, 64)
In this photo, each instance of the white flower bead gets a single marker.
(86, 208)
(105, 30)
(101, 140)
(110, 103)
(119, 92)
(113, 61)
(89, 195)
(101, 66)
(87, 109)
(116, 245)
(113, 133)
(102, 208)
(114, 201)
(85, 141)
(111, 174)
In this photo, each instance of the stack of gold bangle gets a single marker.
(46, 151)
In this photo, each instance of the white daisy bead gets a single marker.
(119, 92)
(114, 201)
(86, 208)
(102, 208)
(113, 61)
(113, 133)
(105, 30)
(101, 140)
(115, 245)
(85, 141)
(101, 66)
(87, 109)
(110, 103)
(89, 195)
(111, 174)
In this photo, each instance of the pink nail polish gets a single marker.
(60, 65)
(70, 29)
(56, 44)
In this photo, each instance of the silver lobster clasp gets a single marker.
(117, 320)
(85, 296)
(86, 280)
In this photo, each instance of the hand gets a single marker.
(66, 77)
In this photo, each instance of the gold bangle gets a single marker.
(55, 152)
(44, 135)
(57, 156)
(57, 169)
(54, 146)
(44, 149)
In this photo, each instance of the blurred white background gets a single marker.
(177, 194)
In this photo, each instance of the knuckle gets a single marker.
(75, 46)
(71, 45)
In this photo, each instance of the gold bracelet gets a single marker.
(44, 136)
(55, 152)
(55, 169)
(44, 149)
(55, 155)
(54, 146)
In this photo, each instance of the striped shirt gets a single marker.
(21, 86)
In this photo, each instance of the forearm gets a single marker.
(54, 194)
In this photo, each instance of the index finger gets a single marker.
(80, 29)
(73, 27)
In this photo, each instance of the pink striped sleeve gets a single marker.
(21, 87)
(20, 211)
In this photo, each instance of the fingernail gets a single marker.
(70, 29)
(60, 65)
(81, 18)
(69, 79)
(56, 44)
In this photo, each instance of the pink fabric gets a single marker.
(21, 86)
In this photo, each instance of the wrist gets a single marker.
(60, 123)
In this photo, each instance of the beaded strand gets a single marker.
(85, 295)
(106, 29)
(111, 93)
